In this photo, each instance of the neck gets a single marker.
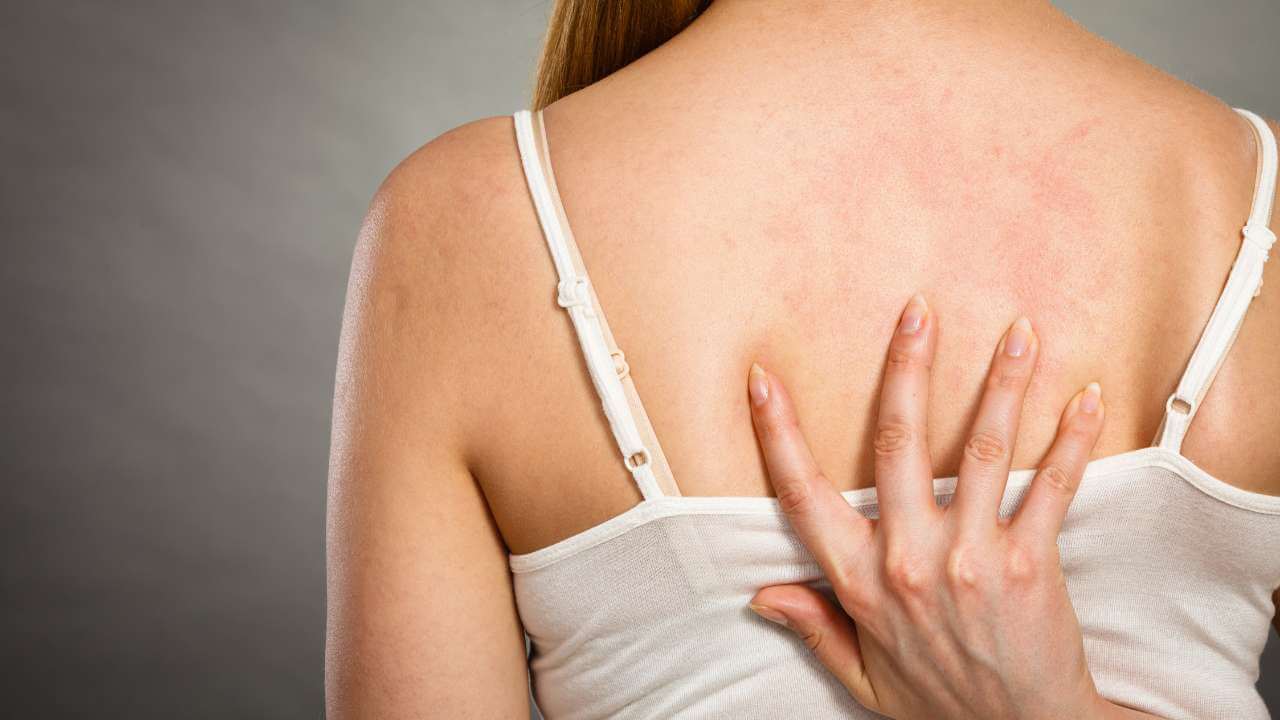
(838, 17)
(843, 30)
(856, 51)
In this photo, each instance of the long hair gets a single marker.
(590, 39)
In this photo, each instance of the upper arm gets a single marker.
(421, 616)
(1275, 223)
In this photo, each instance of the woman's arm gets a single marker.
(421, 617)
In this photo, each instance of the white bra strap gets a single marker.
(1243, 284)
(575, 295)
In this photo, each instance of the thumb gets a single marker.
(824, 628)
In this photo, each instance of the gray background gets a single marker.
(182, 185)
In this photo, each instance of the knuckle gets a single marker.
(775, 426)
(1082, 429)
(795, 496)
(845, 572)
(855, 600)
(986, 447)
(904, 357)
(1021, 566)
(847, 576)
(1008, 376)
(1057, 479)
(893, 437)
(812, 638)
(904, 573)
(962, 571)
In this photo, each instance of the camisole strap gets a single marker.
(1243, 284)
(642, 456)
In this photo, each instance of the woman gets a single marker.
(770, 183)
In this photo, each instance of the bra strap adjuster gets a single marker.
(574, 291)
(1259, 238)
(1178, 404)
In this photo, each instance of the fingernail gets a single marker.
(913, 315)
(758, 385)
(769, 614)
(1091, 397)
(1018, 338)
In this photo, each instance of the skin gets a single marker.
(952, 611)
(777, 220)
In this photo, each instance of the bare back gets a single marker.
(729, 211)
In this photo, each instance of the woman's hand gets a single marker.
(952, 612)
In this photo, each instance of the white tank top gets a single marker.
(1170, 569)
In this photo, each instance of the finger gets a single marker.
(829, 527)
(904, 472)
(984, 468)
(1039, 519)
(825, 629)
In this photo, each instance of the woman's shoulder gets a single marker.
(451, 184)
(442, 220)
(445, 274)
(1242, 406)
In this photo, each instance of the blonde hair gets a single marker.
(590, 39)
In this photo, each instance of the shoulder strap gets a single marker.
(607, 365)
(1243, 285)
